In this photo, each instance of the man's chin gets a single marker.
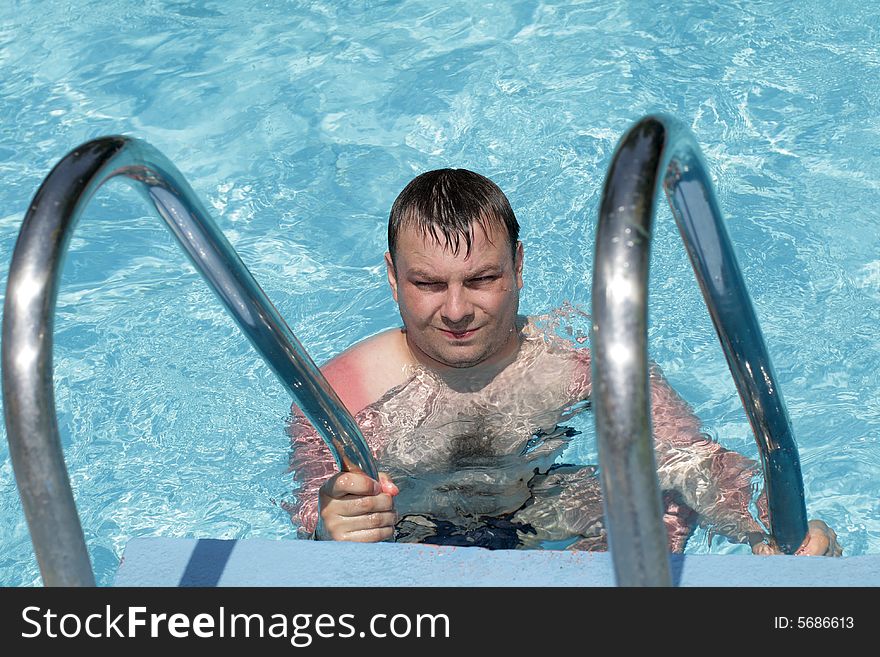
(460, 364)
(459, 360)
(463, 365)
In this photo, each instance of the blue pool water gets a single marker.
(298, 123)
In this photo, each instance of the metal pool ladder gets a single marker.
(659, 148)
(28, 319)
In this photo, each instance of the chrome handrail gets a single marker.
(28, 320)
(660, 148)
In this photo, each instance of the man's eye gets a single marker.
(425, 284)
(482, 280)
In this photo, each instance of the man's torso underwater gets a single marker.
(477, 467)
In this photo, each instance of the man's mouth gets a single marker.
(460, 335)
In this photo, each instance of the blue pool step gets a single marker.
(167, 562)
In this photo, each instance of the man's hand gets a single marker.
(821, 541)
(355, 507)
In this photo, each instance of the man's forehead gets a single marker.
(484, 236)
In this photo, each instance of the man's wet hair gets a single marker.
(447, 204)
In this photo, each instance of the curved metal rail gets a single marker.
(28, 320)
(660, 148)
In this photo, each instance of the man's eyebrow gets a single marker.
(418, 273)
(485, 270)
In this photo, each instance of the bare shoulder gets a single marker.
(538, 328)
(569, 357)
(365, 371)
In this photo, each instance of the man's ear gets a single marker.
(392, 274)
(518, 265)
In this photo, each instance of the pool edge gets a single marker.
(173, 562)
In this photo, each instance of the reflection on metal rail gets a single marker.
(28, 319)
(658, 148)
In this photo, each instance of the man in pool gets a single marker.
(463, 406)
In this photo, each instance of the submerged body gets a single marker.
(479, 465)
(465, 406)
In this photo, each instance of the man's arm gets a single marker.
(696, 475)
(331, 504)
(359, 376)
(312, 464)
(699, 474)
(716, 482)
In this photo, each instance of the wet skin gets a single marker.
(460, 316)
(459, 308)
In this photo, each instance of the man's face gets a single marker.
(458, 310)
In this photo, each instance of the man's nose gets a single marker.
(457, 307)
